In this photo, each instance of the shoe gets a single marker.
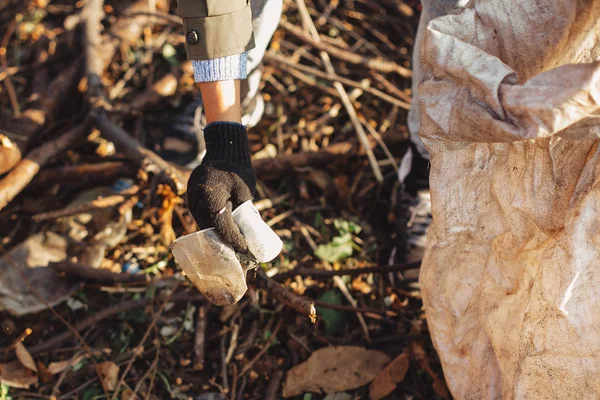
(414, 206)
(183, 139)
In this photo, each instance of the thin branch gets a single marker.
(262, 351)
(95, 274)
(18, 178)
(140, 346)
(377, 64)
(278, 61)
(103, 314)
(284, 296)
(319, 273)
(362, 136)
(139, 154)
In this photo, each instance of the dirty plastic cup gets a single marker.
(212, 266)
(263, 242)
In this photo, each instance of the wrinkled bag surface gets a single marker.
(511, 276)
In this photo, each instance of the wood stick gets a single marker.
(100, 172)
(12, 94)
(272, 391)
(377, 64)
(362, 136)
(18, 178)
(199, 338)
(362, 310)
(91, 16)
(275, 167)
(300, 304)
(319, 273)
(94, 274)
(390, 87)
(21, 130)
(139, 154)
(272, 338)
(277, 61)
(104, 202)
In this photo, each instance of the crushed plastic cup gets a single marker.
(263, 242)
(212, 266)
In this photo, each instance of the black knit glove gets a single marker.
(224, 180)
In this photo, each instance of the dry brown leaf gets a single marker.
(335, 369)
(110, 374)
(16, 375)
(24, 357)
(43, 373)
(59, 366)
(392, 374)
(128, 395)
(439, 385)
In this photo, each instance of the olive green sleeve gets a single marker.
(216, 28)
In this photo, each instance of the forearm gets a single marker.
(219, 83)
(221, 100)
(218, 36)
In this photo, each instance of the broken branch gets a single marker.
(18, 178)
(297, 303)
(377, 64)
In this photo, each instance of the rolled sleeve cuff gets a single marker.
(221, 69)
(220, 35)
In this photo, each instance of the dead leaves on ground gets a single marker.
(19, 373)
(110, 374)
(392, 374)
(24, 357)
(342, 368)
(335, 369)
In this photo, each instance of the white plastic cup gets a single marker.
(212, 266)
(263, 242)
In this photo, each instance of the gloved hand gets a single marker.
(224, 180)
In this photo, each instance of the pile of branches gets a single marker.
(88, 89)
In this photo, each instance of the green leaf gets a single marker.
(307, 396)
(344, 226)
(170, 54)
(338, 249)
(4, 392)
(92, 392)
(335, 320)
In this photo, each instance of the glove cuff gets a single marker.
(227, 141)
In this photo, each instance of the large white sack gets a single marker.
(510, 104)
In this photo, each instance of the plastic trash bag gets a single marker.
(510, 114)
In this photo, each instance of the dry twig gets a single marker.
(362, 136)
(18, 178)
(371, 63)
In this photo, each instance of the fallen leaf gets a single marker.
(110, 374)
(338, 249)
(59, 366)
(16, 375)
(44, 374)
(335, 369)
(128, 395)
(439, 385)
(392, 374)
(25, 358)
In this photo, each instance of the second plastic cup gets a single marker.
(263, 242)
